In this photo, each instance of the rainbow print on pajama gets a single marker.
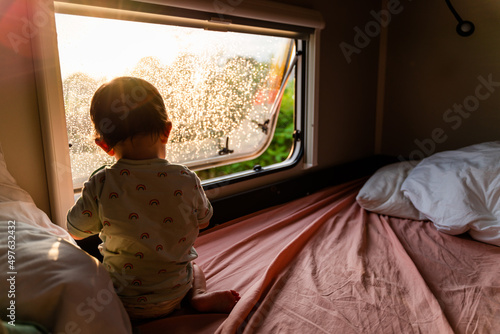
(145, 235)
(168, 220)
(128, 266)
(140, 187)
(133, 215)
(154, 202)
(125, 172)
(178, 193)
(140, 255)
(87, 213)
(113, 195)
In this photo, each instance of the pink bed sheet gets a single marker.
(322, 264)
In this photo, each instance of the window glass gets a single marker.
(281, 146)
(221, 89)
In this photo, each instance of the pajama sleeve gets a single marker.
(83, 218)
(204, 208)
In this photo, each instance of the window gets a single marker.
(229, 76)
(222, 90)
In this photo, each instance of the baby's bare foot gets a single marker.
(217, 301)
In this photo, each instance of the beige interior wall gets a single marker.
(20, 134)
(347, 92)
(433, 74)
(348, 89)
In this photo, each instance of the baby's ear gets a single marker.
(102, 144)
(166, 133)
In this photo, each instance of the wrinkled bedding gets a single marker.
(322, 264)
(51, 282)
(46, 279)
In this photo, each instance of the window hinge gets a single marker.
(226, 150)
(220, 20)
(218, 24)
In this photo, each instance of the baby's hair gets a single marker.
(125, 107)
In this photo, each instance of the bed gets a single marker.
(325, 264)
(328, 263)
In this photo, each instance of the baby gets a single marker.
(147, 211)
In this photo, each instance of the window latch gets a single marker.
(226, 150)
(297, 135)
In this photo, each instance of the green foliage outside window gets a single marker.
(280, 147)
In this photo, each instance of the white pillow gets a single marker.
(459, 191)
(16, 204)
(5, 176)
(382, 192)
(9, 190)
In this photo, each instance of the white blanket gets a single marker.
(55, 284)
(46, 277)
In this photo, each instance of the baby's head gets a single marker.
(126, 107)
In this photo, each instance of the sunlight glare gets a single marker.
(216, 85)
(53, 253)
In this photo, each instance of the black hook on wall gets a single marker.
(464, 28)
